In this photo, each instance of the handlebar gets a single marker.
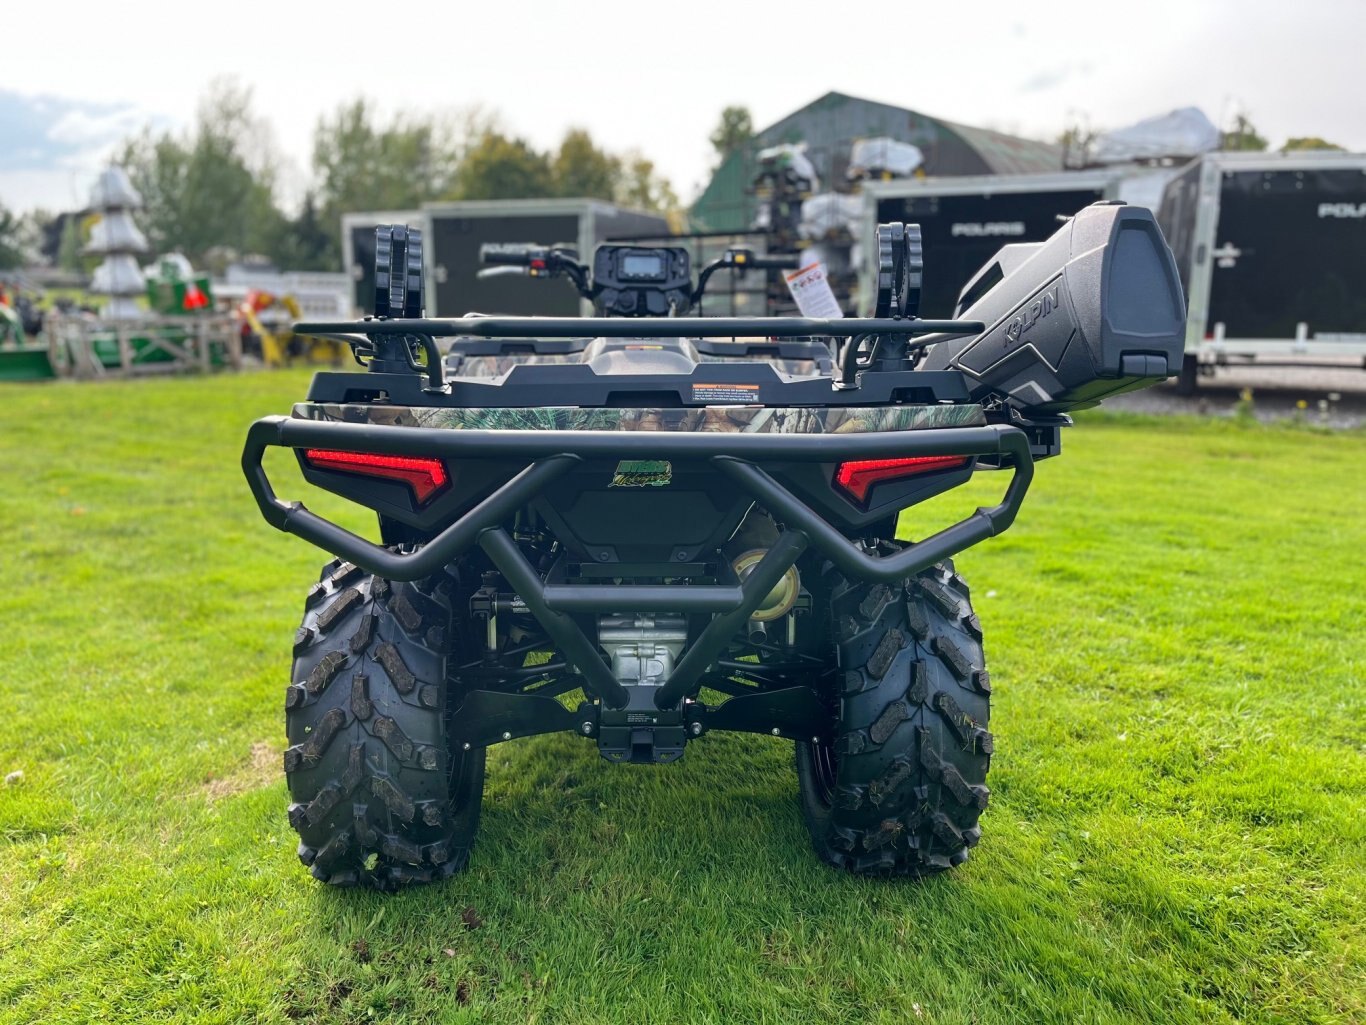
(500, 256)
(552, 261)
(782, 261)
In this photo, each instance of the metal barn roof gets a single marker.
(830, 125)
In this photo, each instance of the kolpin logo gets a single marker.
(1038, 309)
(642, 473)
(1342, 209)
(978, 229)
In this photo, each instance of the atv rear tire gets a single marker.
(378, 800)
(900, 790)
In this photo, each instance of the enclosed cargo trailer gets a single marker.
(1271, 249)
(456, 231)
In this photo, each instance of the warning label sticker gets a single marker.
(726, 394)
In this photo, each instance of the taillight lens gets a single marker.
(857, 477)
(427, 477)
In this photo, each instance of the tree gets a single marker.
(1307, 142)
(734, 131)
(73, 242)
(212, 189)
(362, 164)
(12, 243)
(499, 167)
(1242, 136)
(43, 234)
(583, 170)
(307, 244)
(641, 186)
(1076, 141)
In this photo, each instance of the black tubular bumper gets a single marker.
(551, 453)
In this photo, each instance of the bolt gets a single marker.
(587, 729)
(681, 555)
(696, 729)
(777, 732)
(508, 736)
(604, 556)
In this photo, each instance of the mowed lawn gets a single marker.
(1177, 634)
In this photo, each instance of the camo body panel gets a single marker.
(731, 419)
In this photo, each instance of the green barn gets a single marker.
(831, 124)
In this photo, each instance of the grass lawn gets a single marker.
(1177, 830)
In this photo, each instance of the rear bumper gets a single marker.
(547, 454)
(550, 453)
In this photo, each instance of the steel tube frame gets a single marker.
(553, 453)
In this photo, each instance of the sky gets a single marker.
(654, 76)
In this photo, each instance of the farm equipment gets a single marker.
(20, 359)
(175, 333)
(266, 325)
(642, 528)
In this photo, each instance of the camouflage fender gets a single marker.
(726, 419)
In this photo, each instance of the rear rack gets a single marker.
(552, 453)
(390, 341)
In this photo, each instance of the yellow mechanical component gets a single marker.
(779, 601)
(276, 340)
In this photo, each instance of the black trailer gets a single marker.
(454, 233)
(1271, 249)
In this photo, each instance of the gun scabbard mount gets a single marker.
(1095, 310)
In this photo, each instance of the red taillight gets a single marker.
(858, 476)
(426, 477)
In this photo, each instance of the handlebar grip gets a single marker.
(501, 256)
(784, 261)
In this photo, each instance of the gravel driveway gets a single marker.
(1334, 397)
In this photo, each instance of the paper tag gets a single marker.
(811, 289)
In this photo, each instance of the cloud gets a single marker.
(84, 128)
(51, 133)
(1042, 81)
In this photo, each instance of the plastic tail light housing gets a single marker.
(856, 478)
(426, 477)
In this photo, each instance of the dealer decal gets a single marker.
(642, 473)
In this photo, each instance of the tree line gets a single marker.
(215, 191)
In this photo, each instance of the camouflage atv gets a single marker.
(644, 527)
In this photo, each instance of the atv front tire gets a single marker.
(378, 800)
(900, 790)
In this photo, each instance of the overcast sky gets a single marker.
(653, 76)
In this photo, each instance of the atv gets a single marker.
(644, 527)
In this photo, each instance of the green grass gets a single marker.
(1175, 627)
